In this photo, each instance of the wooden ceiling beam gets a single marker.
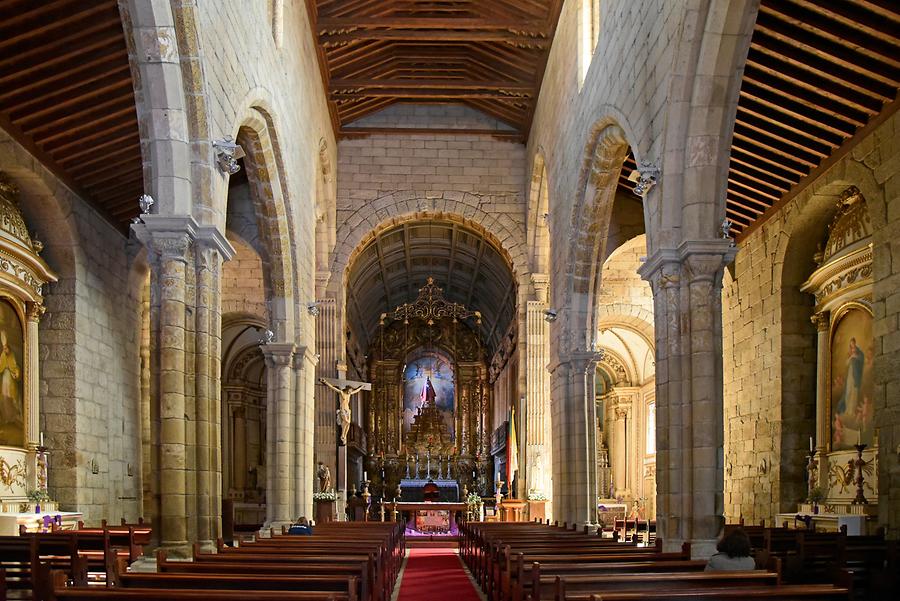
(87, 133)
(75, 75)
(429, 84)
(361, 132)
(751, 109)
(61, 62)
(808, 60)
(415, 92)
(41, 23)
(83, 110)
(807, 113)
(857, 17)
(329, 24)
(832, 52)
(103, 85)
(848, 42)
(427, 36)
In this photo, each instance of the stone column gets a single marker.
(686, 286)
(304, 445)
(279, 432)
(168, 316)
(574, 438)
(620, 411)
(239, 449)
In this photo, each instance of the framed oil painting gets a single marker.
(850, 378)
(428, 380)
(12, 376)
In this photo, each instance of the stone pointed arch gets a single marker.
(604, 155)
(538, 213)
(400, 207)
(265, 173)
(705, 84)
(164, 50)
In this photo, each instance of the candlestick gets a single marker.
(860, 479)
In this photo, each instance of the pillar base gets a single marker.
(703, 548)
(177, 549)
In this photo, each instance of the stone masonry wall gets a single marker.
(89, 346)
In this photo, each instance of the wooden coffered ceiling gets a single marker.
(489, 55)
(398, 261)
(819, 76)
(66, 95)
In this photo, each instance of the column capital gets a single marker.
(304, 357)
(170, 235)
(821, 320)
(541, 284)
(578, 361)
(278, 354)
(697, 259)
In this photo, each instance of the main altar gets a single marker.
(427, 432)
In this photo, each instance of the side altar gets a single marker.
(24, 460)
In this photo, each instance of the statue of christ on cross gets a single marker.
(346, 389)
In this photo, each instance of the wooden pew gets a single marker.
(344, 586)
(26, 562)
(580, 588)
(822, 592)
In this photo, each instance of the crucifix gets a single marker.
(346, 389)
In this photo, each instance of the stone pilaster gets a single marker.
(821, 320)
(328, 351)
(279, 432)
(687, 296)
(538, 455)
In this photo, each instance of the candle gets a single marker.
(858, 437)
(42, 439)
(366, 476)
(498, 476)
(473, 474)
(810, 444)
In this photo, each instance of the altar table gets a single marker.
(426, 523)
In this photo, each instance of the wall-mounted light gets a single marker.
(268, 337)
(145, 202)
(550, 315)
(227, 154)
(313, 309)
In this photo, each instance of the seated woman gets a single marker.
(301, 526)
(733, 553)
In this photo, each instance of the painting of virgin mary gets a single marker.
(851, 380)
(12, 399)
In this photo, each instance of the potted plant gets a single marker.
(816, 496)
(38, 496)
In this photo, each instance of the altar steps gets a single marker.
(432, 542)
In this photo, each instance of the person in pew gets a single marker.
(302, 527)
(733, 553)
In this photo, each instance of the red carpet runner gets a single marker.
(435, 574)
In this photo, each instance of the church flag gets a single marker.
(512, 451)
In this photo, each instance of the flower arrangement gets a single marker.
(38, 495)
(329, 495)
(537, 495)
(816, 495)
(473, 499)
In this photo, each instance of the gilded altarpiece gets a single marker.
(842, 287)
(23, 458)
(430, 396)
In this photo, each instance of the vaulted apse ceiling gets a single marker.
(392, 267)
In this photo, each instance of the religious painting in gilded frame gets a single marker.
(851, 382)
(429, 386)
(12, 375)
